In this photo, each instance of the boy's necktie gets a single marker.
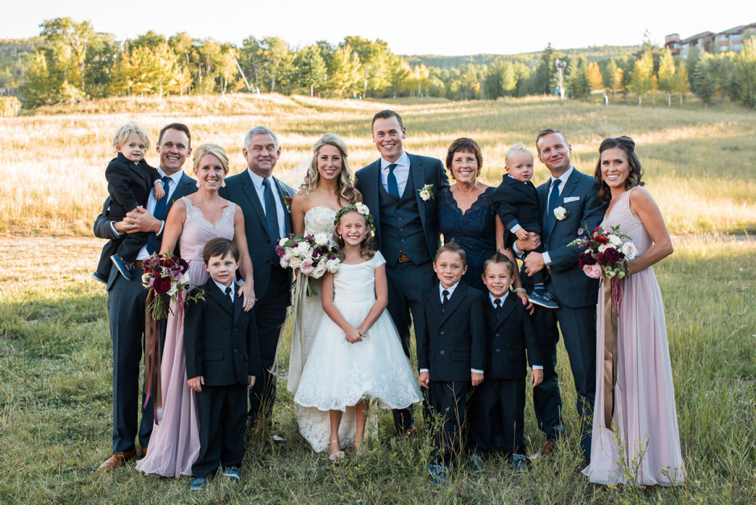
(445, 301)
(497, 303)
(158, 213)
(228, 294)
(393, 186)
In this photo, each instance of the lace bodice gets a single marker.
(319, 219)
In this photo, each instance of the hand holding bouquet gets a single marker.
(165, 277)
(313, 255)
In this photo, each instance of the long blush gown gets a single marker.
(645, 418)
(174, 443)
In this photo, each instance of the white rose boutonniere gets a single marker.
(426, 192)
(561, 213)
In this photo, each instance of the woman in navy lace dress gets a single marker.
(465, 211)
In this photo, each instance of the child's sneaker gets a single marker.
(439, 474)
(198, 484)
(475, 462)
(518, 462)
(99, 277)
(124, 268)
(544, 299)
(232, 473)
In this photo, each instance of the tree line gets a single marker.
(71, 61)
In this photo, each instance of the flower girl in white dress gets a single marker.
(356, 353)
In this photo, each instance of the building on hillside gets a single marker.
(728, 40)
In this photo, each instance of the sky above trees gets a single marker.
(447, 27)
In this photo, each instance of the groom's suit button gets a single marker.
(442, 352)
(442, 333)
(497, 334)
(268, 241)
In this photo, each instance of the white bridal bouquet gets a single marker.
(313, 255)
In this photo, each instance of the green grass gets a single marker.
(55, 403)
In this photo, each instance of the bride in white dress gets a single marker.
(327, 188)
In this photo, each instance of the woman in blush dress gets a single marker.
(642, 444)
(193, 221)
(467, 216)
(327, 188)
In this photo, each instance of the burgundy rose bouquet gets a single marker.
(605, 255)
(166, 278)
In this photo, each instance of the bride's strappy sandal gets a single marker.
(336, 456)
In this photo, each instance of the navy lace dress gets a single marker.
(474, 231)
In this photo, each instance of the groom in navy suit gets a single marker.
(400, 189)
(263, 200)
(126, 299)
(569, 201)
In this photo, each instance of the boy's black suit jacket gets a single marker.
(516, 202)
(508, 338)
(454, 340)
(220, 341)
(129, 185)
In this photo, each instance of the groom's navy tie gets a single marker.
(553, 199)
(158, 213)
(393, 186)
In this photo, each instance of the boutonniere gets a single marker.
(286, 199)
(561, 213)
(426, 192)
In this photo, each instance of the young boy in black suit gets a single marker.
(221, 349)
(450, 351)
(516, 203)
(498, 406)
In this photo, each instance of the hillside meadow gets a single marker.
(697, 160)
(55, 350)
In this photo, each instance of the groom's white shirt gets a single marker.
(401, 172)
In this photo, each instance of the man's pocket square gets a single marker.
(571, 199)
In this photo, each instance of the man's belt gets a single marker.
(403, 258)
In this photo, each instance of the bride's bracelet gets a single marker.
(520, 290)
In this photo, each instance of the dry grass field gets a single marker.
(55, 350)
(697, 161)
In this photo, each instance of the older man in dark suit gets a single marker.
(126, 298)
(264, 200)
(569, 202)
(399, 189)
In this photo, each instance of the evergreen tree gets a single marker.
(577, 82)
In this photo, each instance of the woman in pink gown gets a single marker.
(193, 221)
(642, 445)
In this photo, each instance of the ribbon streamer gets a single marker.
(152, 362)
(611, 316)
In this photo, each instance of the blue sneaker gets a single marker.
(198, 484)
(232, 473)
(124, 268)
(99, 277)
(475, 462)
(544, 299)
(518, 462)
(439, 474)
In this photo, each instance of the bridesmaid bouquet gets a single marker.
(605, 255)
(165, 277)
(313, 255)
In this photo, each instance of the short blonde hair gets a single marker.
(517, 148)
(125, 131)
(213, 149)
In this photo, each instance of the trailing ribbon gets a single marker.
(612, 290)
(152, 362)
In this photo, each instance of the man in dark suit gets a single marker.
(400, 189)
(221, 350)
(126, 298)
(267, 218)
(569, 202)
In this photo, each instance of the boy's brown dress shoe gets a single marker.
(116, 459)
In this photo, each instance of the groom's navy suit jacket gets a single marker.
(579, 197)
(424, 171)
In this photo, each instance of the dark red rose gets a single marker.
(600, 258)
(601, 239)
(167, 262)
(586, 258)
(611, 255)
(162, 285)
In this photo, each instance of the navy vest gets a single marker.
(401, 227)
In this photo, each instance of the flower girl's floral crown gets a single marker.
(360, 208)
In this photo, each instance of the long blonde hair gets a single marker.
(345, 187)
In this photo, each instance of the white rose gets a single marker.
(629, 250)
(319, 270)
(560, 213)
(321, 238)
(333, 265)
(295, 262)
(362, 208)
(185, 278)
(614, 240)
(425, 194)
(301, 248)
(284, 263)
(603, 247)
(287, 256)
